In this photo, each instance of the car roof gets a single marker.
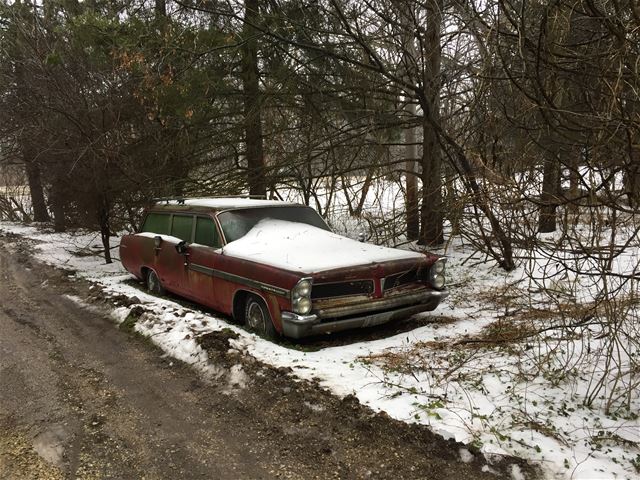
(218, 203)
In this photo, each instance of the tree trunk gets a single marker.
(161, 9)
(550, 191)
(574, 179)
(252, 102)
(32, 169)
(25, 139)
(632, 167)
(632, 177)
(105, 229)
(431, 231)
(56, 200)
(412, 205)
(411, 154)
(363, 194)
(558, 27)
(347, 195)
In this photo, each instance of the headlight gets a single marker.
(437, 273)
(438, 266)
(438, 281)
(302, 289)
(302, 305)
(301, 297)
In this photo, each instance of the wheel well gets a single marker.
(239, 300)
(144, 271)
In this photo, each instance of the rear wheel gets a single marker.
(257, 317)
(154, 285)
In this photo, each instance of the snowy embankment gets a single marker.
(440, 374)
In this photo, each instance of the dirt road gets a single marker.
(80, 398)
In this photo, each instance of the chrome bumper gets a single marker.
(298, 326)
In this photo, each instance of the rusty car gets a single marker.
(277, 267)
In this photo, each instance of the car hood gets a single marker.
(304, 248)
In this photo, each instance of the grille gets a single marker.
(342, 289)
(399, 279)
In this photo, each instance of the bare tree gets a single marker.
(253, 100)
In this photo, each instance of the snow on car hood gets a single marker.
(300, 247)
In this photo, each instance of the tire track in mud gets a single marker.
(82, 422)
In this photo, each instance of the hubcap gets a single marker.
(153, 282)
(255, 317)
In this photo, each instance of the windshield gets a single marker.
(237, 223)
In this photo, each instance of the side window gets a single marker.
(206, 232)
(182, 226)
(157, 223)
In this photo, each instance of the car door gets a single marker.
(161, 257)
(175, 265)
(203, 253)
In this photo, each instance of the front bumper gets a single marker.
(325, 321)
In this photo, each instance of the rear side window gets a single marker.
(157, 223)
(182, 226)
(206, 232)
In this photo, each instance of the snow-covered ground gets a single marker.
(493, 396)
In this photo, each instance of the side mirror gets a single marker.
(361, 237)
(182, 248)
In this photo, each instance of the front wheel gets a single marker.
(154, 285)
(257, 317)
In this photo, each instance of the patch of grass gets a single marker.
(431, 407)
(507, 331)
(546, 429)
(421, 356)
(129, 323)
(301, 345)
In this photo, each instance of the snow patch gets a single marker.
(465, 455)
(50, 444)
(516, 473)
(223, 203)
(120, 314)
(314, 407)
(236, 380)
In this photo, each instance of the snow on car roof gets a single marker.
(226, 202)
(304, 248)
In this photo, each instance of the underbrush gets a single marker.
(534, 381)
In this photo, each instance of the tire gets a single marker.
(154, 285)
(257, 317)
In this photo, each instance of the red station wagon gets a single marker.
(277, 267)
